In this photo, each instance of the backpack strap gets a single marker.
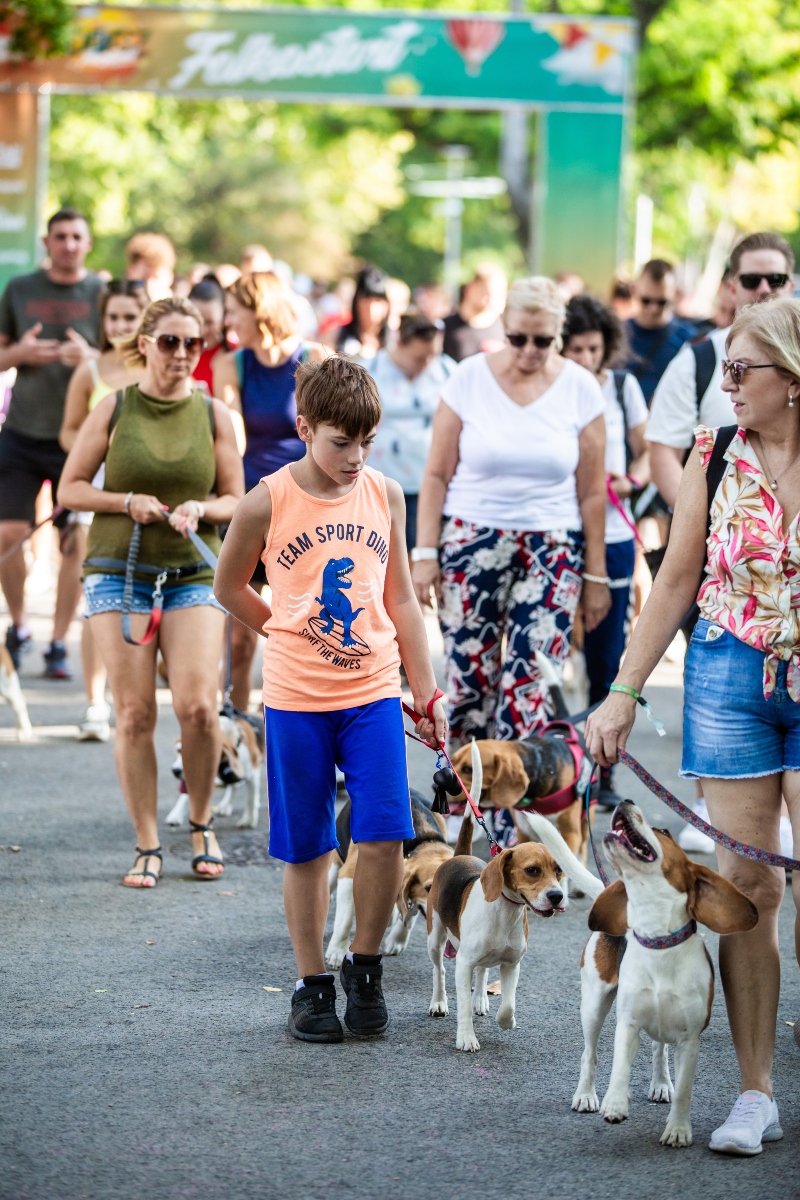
(717, 464)
(705, 362)
(212, 420)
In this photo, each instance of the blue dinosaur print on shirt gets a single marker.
(335, 604)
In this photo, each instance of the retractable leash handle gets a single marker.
(415, 716)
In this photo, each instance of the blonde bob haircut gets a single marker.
(152, 317)
(775, 325)
(266, 295)
(537, 294)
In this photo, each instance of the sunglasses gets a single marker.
(518, 340)
(649, 301)
(774, 279)
(168, 343)
(736, 370)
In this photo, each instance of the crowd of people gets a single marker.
(521, 437)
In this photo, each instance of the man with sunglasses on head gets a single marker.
(49, 324)
(655, 334)
(690, 393)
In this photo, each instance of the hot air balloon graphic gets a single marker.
(475, 41)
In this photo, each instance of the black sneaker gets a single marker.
(17, 646)
(56, 662)
(366, 1008)
(313, 1017)
(608, 797)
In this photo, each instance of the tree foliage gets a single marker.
(39, 28)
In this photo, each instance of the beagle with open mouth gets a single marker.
(544, 773)
(645, 950)
(481, 911)
(422, 854)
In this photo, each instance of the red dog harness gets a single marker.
(557, 802)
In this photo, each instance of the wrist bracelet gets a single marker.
(604, 579)
(424, 554)
(128, 499)
(651, 716)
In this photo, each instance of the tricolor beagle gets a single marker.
(241, 761)
(645, 950)
(422, 854)
(482, 912)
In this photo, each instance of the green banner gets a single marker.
(408, 57)
(20, 168)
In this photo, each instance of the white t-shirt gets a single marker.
(636, 413)
(401, 447)
(673, 413)
(516, 466)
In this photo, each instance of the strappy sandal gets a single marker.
(144, 874)
(205, 857)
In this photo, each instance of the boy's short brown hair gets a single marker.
(338, 392)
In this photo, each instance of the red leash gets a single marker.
(620, 507)
(415, 716)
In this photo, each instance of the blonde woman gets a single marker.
(516, 471)
(741, 717)
(171, 463)
(121, 305)
(257, 380)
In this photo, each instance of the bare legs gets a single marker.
(377, 881)
(749, 963)
(94, 671)
(243, 648)
(12, 576)
(191, 642)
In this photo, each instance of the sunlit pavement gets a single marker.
(144, 1035)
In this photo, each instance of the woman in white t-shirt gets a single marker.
(516, 469)
(593, 337)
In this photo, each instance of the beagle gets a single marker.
(241, 761)
(537, 773)
(422, 854)
(487, 925)
(645, 950)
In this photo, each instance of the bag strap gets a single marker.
(212, 420)
(705, 362)
(117, 411)
(717, 464)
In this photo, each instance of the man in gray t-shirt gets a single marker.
(48, 325)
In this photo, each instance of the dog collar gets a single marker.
(667, 940)
(516, 903)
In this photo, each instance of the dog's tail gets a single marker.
(551, 678)
(552, 839)
(464, 842)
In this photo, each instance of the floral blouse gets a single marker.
(752, 580)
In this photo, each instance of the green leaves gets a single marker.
(39, 28)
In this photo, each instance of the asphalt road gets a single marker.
(143, 1056)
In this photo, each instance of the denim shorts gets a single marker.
(729, 730)
(103, 593)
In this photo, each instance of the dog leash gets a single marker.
(441, 753)
(620, 507)
(722, 839)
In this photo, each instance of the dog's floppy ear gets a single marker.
(506, 779)
(609, 913)
(493, 876)
(408, 883)
(718, 903)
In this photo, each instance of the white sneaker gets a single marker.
(754, 1119)
(95, 725)
(692, 839)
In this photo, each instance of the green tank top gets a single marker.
(163, 448)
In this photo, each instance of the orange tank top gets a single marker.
(330, 642)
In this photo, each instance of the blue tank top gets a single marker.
(268, 411)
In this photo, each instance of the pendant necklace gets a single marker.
(774, 478)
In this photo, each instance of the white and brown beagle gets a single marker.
(241, 761)
(422, 854)
(481, 911)
(645, 950)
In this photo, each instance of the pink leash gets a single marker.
(620, 507)
(440, 750)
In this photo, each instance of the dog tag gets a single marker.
(581, 783)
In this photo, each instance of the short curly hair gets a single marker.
(587, 315)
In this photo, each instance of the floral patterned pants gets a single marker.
(504, 595)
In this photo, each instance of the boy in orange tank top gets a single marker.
(331, 534)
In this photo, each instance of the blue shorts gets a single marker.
(104, 594)
(303, 750)
(729, 730)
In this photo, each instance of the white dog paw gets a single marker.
(468, 1042)
(392, 946)
(660, 1093)
(585, 1101)
(334, 955)
(480, 1006)
(246, 822)
(677, 1134)
(438, 1008)
(614, 1111)
(175, 817)
(506, 1019)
